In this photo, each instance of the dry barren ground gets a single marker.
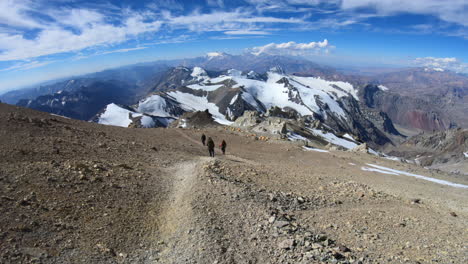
(78, 192)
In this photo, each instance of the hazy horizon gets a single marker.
(46, 40)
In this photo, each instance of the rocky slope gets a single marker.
(80, 192)
(447, 150)
(423, 98)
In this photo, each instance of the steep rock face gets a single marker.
(405, 111)
(429, 99)
(196, 119)
(449, 146)
(170, 79)
(361, 126)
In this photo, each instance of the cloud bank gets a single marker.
(292, 48)
(24, 34)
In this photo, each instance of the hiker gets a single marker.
(211, 146)
(203, 138)
(223, 146)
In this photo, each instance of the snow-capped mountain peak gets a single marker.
(215, 54)
(199, 73)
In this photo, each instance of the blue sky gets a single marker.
(47, 39)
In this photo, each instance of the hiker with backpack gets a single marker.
(211, 147)
(203, 138)
(223, 146)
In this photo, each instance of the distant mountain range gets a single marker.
(373, 107)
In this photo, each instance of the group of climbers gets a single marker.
(211, 145)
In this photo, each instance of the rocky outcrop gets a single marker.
(432, 149)
(196, 119)
(406, 111)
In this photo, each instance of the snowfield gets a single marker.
(199, 74)
(117, 116)
(341, 89)
(203, 87)
(192, 103)
(332, 138)
(271, 93)
(154, 105)
(390, 171)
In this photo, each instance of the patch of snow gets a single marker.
(398, 172)
(373, 152)
(348, 136)
(314, 149)
(190, 102)
(309, 93)
(203, 87)
(234, 99)
(183, 123)
(199, 73)
(234, 72)
(251, 100)
(153, 105)
(252, 74)
(116, 116)
(383, 88)
(392, 158)
(344, 88)
(378, 170)
(296, 137)
(147, 121)
(352, 164)
(332, 138)
(466, 154)
(271, 93)
(60, 116)
(219, 79)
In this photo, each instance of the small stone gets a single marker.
(280, 224)
(453, 214)
(300, 200)
(272, 219)
(316, 246)
(342, 248)
(272, 197)
(415, 201)
(287, 244)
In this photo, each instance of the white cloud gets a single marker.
(94, 31)
(13, 13)
(223, 21)
(26, 65)
(246, 32)
(451, 11)
(452, 64)
(123, 50)
(292, 48)
(77, 29)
